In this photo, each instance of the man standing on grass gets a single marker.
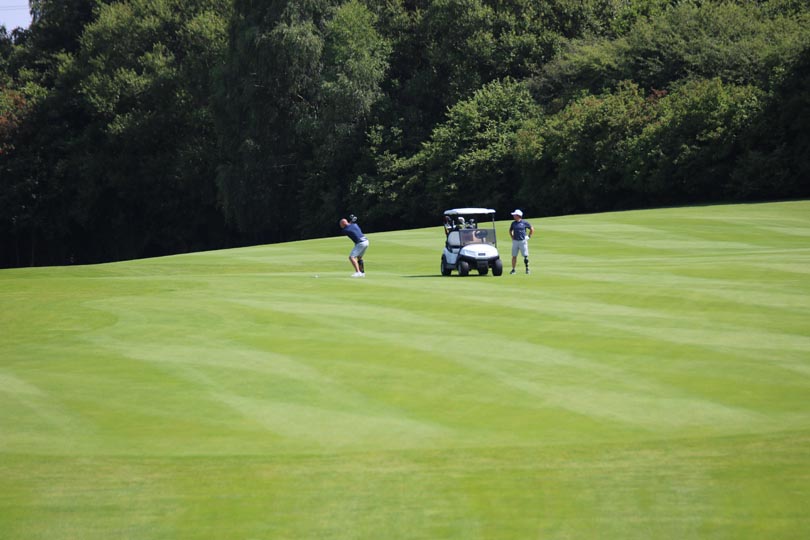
(352, 230)
(520, 231)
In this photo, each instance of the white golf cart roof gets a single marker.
(468, 211)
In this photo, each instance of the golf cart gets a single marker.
(470, 242)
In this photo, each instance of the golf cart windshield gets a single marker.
(462, 237)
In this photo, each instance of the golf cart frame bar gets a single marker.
(470, 211)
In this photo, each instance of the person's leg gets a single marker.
(356, 256)
(515, 247)
(363, 246)
(526, 254)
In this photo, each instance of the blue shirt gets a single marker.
(520, 229)
(353, 231)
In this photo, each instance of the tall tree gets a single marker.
(445, 50)
(147, 156)
(57, 24)
(740, 42)
(776, 161)
(468, 159)
(117, 159)
(34, 211)
(301, 79)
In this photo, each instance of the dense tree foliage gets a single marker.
(132, 128)
(468, 160)
(300, 82)
(113, 159)
(143, 80)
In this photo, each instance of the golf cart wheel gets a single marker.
(463, 268)
(446, 270)
(497, 268)
(483, 269)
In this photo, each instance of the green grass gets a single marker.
(650, 379)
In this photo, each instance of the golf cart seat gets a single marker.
(454, 240)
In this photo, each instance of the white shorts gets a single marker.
(359, 249)
(520, 245)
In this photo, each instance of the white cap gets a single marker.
(517, 213)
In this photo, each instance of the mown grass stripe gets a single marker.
(649, 379)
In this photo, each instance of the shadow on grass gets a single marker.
(446, 277)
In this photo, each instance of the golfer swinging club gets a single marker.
(520, 231)
(352, 230)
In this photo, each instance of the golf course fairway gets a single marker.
(649, 380)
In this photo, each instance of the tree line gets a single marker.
(135, 128)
